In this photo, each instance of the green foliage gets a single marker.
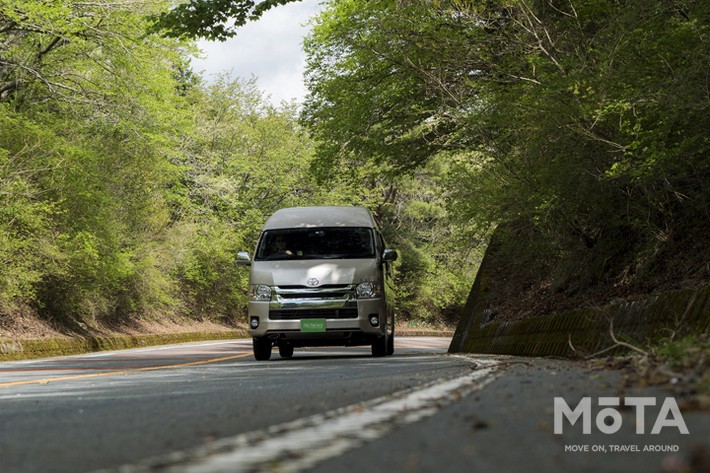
(585, 120)
(362, 108)
(242, 161)
(688, 355)
(377, 125)
(438, 260)
(683, 352)
(127, 185)
(92, 111)
(213, 286)
(209, 18)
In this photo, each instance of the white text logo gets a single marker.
(608, 420)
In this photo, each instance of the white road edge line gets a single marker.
(301, 444)
(160, 348)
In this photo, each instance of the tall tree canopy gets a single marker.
(211, 19)
(127, 184)
(585, 119)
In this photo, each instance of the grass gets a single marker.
(680, 364)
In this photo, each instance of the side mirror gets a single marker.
(389, 255)
(243, 259)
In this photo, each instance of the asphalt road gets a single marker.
(209, 407)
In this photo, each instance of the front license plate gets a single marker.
(313, 325)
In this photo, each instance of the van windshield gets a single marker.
(316, 243)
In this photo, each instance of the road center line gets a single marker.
(116, 373)
(301, 444)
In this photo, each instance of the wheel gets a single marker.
(390, 344)
(262, 349)
(379, 348)
(285, 350)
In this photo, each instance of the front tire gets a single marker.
(286, 350)
(379, 347)
(390, 344)
(262, 349)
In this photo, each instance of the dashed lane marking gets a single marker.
(301, 444)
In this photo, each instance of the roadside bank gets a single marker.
(587, 331)
(15, 348)
(49, 347)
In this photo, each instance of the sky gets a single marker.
(271, 49)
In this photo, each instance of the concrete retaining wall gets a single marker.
(587, 330)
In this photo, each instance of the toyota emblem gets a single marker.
(313, 282)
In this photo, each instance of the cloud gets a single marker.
(270, 49)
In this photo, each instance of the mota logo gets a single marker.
(608, 420)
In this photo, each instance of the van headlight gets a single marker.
(368, 290)
(259, 292)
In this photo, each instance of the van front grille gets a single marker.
(314, 295)
(313, 314)
(341, 287)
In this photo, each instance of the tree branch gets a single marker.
(56, 42)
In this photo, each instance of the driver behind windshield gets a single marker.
(280, 247)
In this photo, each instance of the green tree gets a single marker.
(26, 240)
(437, 259)
(128, 183)
(209, 18)
(243, 160)
(89, 115)
(583, 119)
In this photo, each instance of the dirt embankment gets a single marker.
(24, 334)
(526, 276)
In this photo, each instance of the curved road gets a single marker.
(209, 407)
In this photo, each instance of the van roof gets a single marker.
(304, 217)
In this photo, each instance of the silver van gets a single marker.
(320, 276)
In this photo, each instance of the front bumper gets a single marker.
(347, 319)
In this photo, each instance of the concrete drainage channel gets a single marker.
(45, 348)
